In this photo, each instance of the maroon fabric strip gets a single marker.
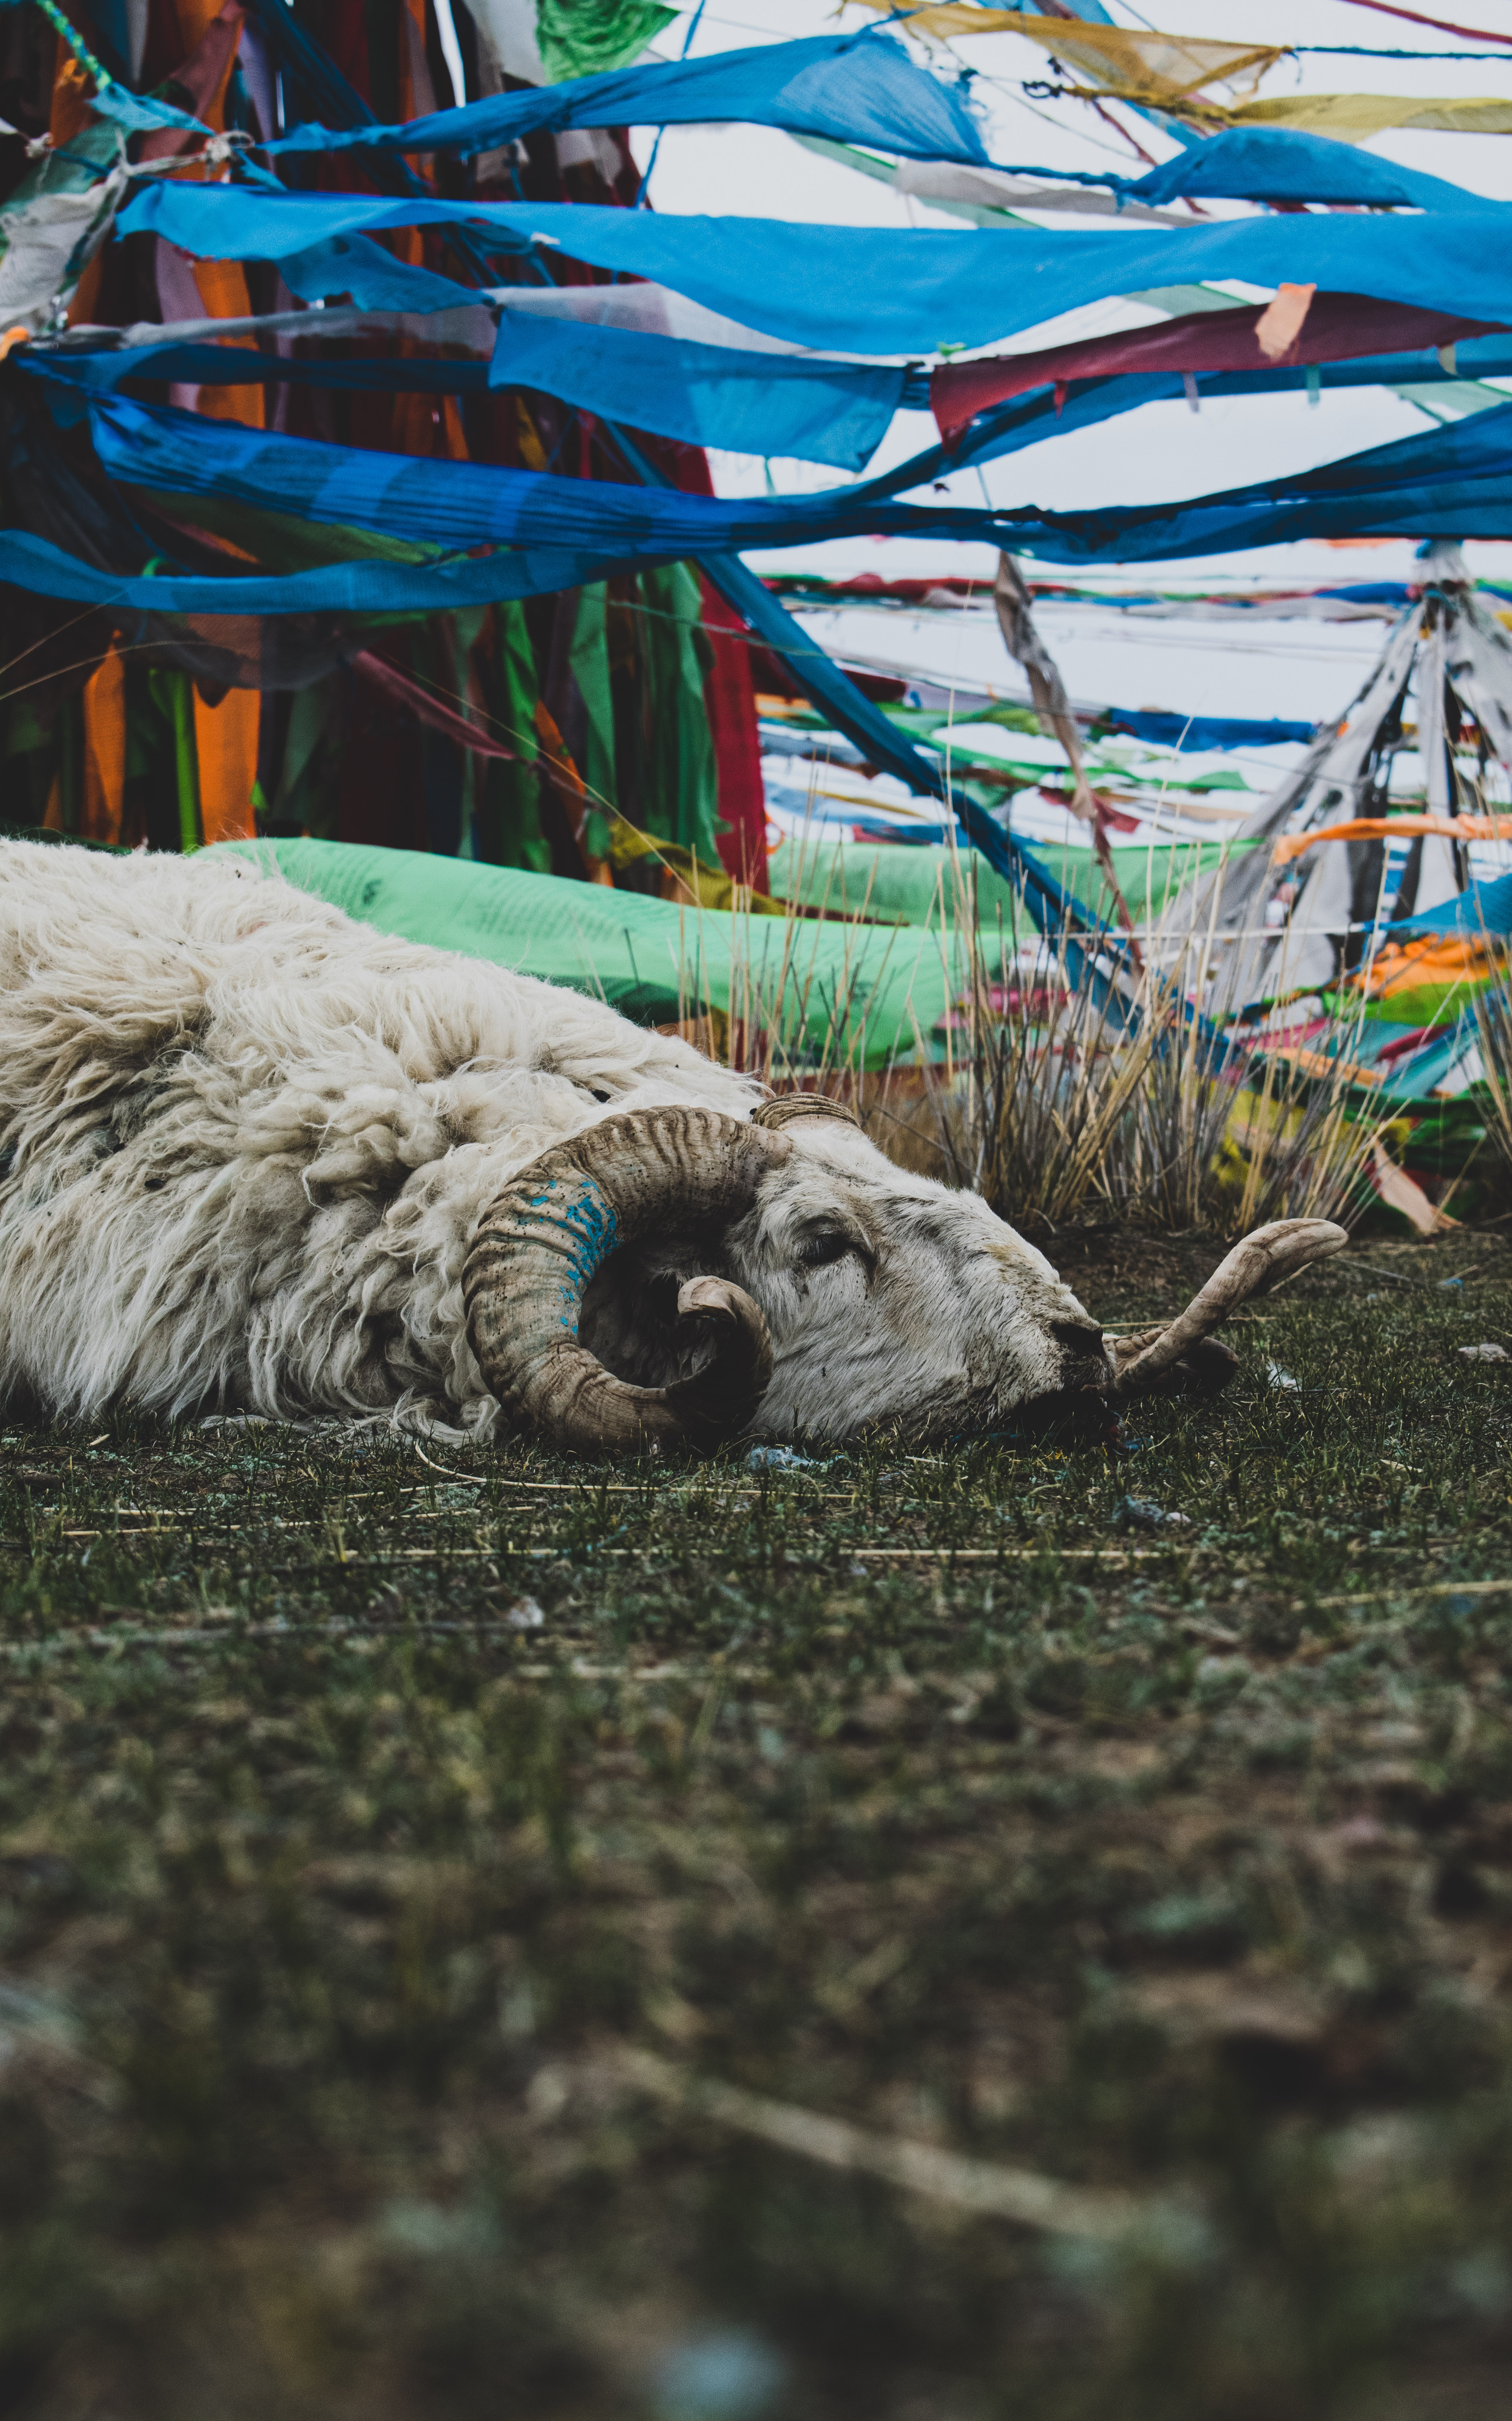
(427, 709)
(198, 81)
(1439, 25)
(1338, 327)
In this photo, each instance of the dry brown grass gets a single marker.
(1073, 1102)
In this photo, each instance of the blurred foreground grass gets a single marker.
(363, 1829)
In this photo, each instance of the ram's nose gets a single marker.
(1083, 1357)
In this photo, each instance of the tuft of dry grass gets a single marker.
(1084, 1089)
(1066, 1083)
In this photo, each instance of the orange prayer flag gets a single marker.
(223, 287)
(1295, 845)
(104, 749)
(69, 111)
(1280, 323)
(195, 19)
(225, 737)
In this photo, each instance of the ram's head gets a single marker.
(674, 1277)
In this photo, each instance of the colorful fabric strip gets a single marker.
(782, 404)
(1334, 327)
(858, 88)
(1456, 479)
(873, 291)
(1261, 164)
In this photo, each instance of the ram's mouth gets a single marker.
(1182, 1357)
(1077, 1416)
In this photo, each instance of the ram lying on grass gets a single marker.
(255, 1155)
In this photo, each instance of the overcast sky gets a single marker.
(1164, 450)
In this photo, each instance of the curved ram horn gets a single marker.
(538, 1244)
(787, 1106)
(1259, 1262)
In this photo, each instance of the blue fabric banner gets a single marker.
(1455, 481)
(466, 505)
(756, 403)
(44, 570)
(1452, 481)
(780, 404)
(1270, 164)
(785, 405)
(1189, 733)
(880, 290)
(1484, 911)
(860, 88)
(355, 265)
(191, 363)
(1278, 163)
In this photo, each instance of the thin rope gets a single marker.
(1439, 25)
(687, 44)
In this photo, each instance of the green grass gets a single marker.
(920, 1792)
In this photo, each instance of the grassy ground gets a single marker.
(389, 1860)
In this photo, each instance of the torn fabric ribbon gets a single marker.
(1263, 163)
(1200, 732)
(782, 404)
(202, 362)
(1355, 116)
(1335, 327)
(1159, 70)
(718, 393)
(858, 88)
(466, 504)
(1454, 478)
(815, 409)
(1045, 411)
(355, 265)
(351, 587)
(786, 405)
(44, 246)
(882, 290)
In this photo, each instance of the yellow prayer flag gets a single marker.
(1354, 117)
(1126, 62)
(1169, 71)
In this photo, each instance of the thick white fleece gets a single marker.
(246, 1141)
(243, 1139)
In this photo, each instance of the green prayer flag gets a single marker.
(590, 36)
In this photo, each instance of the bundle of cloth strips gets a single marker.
(355, 501)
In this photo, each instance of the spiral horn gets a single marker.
(542, 1240)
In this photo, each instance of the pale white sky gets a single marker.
(1164, 450)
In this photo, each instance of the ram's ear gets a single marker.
(631, 1320)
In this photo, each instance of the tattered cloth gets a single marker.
(563, 531)
(873, 291)
(1333, 327)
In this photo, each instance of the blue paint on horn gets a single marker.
(592, 1230)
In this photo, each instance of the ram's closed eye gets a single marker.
(829, 1244)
